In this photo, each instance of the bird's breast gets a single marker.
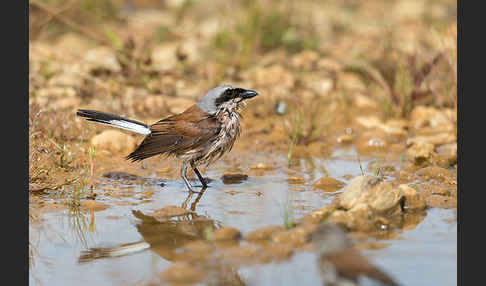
(223, 142)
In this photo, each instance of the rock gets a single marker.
(354, 220)
(318, 216)
(120, 175)
(328, 184)
(420, 153)
(380, 196)
(412, 199)
(233, 178)
(433, 172)
(438, 201)
(226, 233)
(114, 141)
(168, 212)
(263, 233)
(93, 205)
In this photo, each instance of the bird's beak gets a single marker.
(248, 94)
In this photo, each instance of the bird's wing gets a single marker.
(351, 264)
(177, 134)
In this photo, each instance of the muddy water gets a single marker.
(60, 239)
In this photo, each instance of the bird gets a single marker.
(200, 135)
(339, 263)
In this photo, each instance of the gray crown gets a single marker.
(208, 101)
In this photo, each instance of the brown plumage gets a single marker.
(339, 263)
(178, 134)
(350, 264)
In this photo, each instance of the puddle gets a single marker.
(78, 247)
(426, 255)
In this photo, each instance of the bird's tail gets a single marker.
(107, 252)
(114, 120)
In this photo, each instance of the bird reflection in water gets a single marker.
(165, 235)
(162, 236)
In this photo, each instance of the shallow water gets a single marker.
(425, 255)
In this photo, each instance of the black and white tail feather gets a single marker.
(115, 121)
(107, 252)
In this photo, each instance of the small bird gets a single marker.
(339, 263)
(199, 136)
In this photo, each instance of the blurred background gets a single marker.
(396, 52)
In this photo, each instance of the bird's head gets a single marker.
(224, 97)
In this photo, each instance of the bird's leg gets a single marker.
(183, 175)
(193, 205)
(203, 182)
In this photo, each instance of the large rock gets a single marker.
(370, 191)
